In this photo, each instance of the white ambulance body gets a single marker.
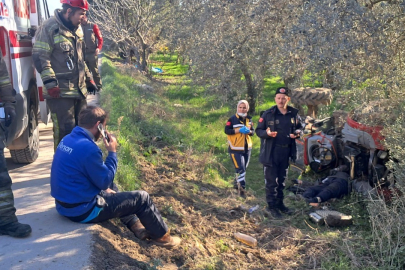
(18, 21)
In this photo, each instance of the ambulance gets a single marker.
(18, 21)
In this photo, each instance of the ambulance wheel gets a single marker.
(30, 153)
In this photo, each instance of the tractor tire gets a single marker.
(30, 153)
(311, 96)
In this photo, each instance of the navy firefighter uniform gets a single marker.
(239, 129)
(277, 150)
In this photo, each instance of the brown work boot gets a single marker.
(167, 241)
(139, 230)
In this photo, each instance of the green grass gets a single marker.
(184, 117)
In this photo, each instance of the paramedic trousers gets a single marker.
(65, 115)
(240, 160)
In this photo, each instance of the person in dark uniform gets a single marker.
(9, 224)
(239, 129)
(278, 127)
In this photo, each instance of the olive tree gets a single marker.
(132, 24)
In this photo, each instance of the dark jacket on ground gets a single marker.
(334, 186)
(267, 143)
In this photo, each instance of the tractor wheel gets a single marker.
(311, 96)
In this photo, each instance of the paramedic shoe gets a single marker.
(139, 230)
(16, 229)
(241, 187)
(274, 212)
(167, 241)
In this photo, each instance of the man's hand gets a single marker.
(91, 87)
(271, 133)
(112, 145)
(54, 92)
(9, 111)
(97, 51)
(109, 190)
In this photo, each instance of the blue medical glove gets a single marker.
(244, 130)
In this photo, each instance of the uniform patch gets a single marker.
(228, 123)
(271, 123)
(292, 120)
(260, 120)
(277, 122)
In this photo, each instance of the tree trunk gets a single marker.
(251, 89)
(144, 62)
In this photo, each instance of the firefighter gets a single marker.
(8, 220)
(278, 127)
(94, 43)
(58, 55)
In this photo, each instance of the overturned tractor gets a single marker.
(353, 147)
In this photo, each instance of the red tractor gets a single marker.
(354, 147)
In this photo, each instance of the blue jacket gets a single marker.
(78, 172)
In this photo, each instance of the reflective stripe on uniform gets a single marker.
(235, 147)
(47, 73)
(60, 39)
(42, 45)
(4, 81)
(234, 161)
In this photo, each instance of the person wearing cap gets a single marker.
(239, 129)
(277, 128)
(58, 55)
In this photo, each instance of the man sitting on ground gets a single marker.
(83, 188)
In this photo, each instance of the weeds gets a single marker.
(172, 143)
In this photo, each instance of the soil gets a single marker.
(205, 217)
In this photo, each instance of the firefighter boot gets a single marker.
(167, 241)
(274, 212)
(284, 209)
(16, 229)
(139, 230)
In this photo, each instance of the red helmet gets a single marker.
(83, 4)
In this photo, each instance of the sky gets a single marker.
(53, 4)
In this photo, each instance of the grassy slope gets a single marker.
(177, 130)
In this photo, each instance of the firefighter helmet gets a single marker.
(83, 4)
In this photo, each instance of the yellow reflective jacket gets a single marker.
(239, 141)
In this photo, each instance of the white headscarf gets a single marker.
(246, 103)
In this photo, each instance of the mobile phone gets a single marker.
(102, 131)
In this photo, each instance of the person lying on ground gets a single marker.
(83, 188)
(333, 186)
